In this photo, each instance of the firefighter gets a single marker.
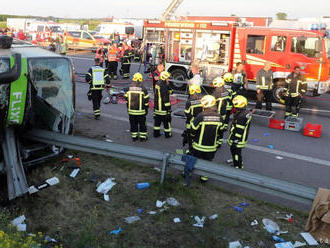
(97, 79)
(223, 99)
(99, 54)
(127, 55)
(206, 131)
(162, 106)
(137, 98)
(294, 89)
(113, 58)
(156, 73)
(239, 131)
(265, 86)
(228, 78)
(240, 79)
(192, 109)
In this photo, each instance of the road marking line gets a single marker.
(248, 146)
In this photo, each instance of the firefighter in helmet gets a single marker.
(206, 131)
(228, 78)
(137, 99)
(192, 109)
(294, 90)
(97, 78)
(162, 106)
(239, 131)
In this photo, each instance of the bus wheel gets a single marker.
(278, 94)
(178, 75)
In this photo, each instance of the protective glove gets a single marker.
(89, 95)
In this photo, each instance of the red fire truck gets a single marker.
(217, 46)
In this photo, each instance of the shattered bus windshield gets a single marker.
(52, 79)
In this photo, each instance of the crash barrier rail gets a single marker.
(290, 191)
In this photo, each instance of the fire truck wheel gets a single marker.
(278, 94)
(179, 75)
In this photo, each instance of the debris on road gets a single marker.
(199, 221)
(144, 185)
(19, 223)
(159, 203)
(116, 232)
(172, 202)
(278, 239)
(140, 211)
(284, 245)
(213, 217)
(132, 219)
(270, 226)
(309, 238)
(74, 173)
(49, 239)
(49, 182)
(298, 244)
(254, 223)
(235, 244)
(244, 204)
(152, 212)
(288, 217)
(279, 157)
(105, 187)
(176, 220)
(238, 209)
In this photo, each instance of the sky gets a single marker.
(154, 8)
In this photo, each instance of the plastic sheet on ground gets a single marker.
(270, 226)
(132, 219)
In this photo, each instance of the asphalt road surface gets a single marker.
(282, 154)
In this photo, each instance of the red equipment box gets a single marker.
(277, 124)
(313, 130)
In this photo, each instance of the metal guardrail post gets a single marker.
(166, 156)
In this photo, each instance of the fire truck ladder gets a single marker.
(169, 12)
(16, 180)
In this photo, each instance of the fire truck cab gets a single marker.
(218, 45)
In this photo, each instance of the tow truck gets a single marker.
(36, 91)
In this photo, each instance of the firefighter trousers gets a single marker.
(237, 156)
(264, 95)
(96, 99)
(158, 120)
(126, 70)
(226, 120)
(138, 126)
(203, 155)
(292, 102)
(112, 69)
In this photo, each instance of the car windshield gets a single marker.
(52, 79)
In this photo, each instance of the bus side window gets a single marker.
(278, 43)
(255, 44)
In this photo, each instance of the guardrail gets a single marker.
(227, 174)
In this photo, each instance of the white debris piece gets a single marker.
(199, 221)
(132, 219)
(213, 217)
(270, 226)
(254, 223)
(74, 173)
(279, 157)
(176, 220)
(159, 204)
(18, 222)
(235, 244)
(284, 245)
(106, 186)
(298, 244)
(309, 238)
(152, 212)
(106, 197)
(172, 202)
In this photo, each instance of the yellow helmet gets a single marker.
(208, 101)
(194, 88)
(239, 101)
(218, 82)
(164, 75)
(137, 77)
(228, 77)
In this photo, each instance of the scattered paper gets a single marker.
(18, 222)
(270, 226)
(159, 204)
(235, 244)
(298, 244)
(279, 157)
(106, 197)
(152, 212)
(309, 238)
(199, 221)
(106, 186)
(172, 202)
(176, 220)
(213, 217)
(74, 173)
(132, 219)
(284, 245)
(254, 223)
